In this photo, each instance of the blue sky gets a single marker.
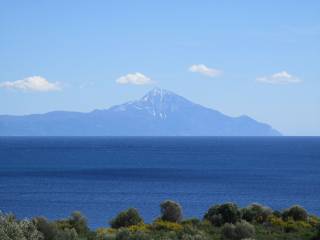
(259, 58)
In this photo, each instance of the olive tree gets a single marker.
(48, 229)
(126, 218)
(79, 223)
(170, 211)
(241, 230)
(295, 212)
(224, 213)
(256, 213)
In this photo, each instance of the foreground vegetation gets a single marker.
(225, 221)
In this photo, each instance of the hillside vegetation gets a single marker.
(223, 221)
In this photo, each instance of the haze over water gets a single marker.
(100, 176)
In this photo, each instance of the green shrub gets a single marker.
(123, 234)
(193, 234)
(224, 213)
(126, 218)
(277, 213)
(12, 229)
(318, 231)
(105, 233)
(191, 221)
(170, 211)
(256, 213)
(228, 231)
(240, 230)
(67, 234)
(139, 228)
(79, 223)
(276, 221)
(296, 212)
(49, 230)
(313, 220)
(166, 226)
(244, 230)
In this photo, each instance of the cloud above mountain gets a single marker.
(33, 83)
(135, 79)
(279, 78)
(204, 70)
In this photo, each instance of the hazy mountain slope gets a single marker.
(158, 113)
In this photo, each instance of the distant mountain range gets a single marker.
(158, 113)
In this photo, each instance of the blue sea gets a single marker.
(53, 176)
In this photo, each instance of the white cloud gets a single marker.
(34, 83)
(203, 69)
(134, 78)
(279, 78)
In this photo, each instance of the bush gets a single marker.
(276, 222)
(277, 213)
(228, 231)
(139, 228)
(67, 234)
(221, 214)
(192, 233)
(318, 231)
(256, 213)
(191, 221)
(123, 234)
(166, 226)
(79, 223)
(126, 218)
(239, 231)
(105, 233)
(11, 229)
(170, 211)
(313, 220)
(49, 230)
(244, 229)
(296, 212)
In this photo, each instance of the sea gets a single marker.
(100, 176)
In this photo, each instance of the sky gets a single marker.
(258, 58)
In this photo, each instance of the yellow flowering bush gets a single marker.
(167, 226)
(139, 228)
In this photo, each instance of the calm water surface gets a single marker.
(101, 176)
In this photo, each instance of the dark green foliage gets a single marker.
(256, 213)
(277, 213)
(224, 213)
(170, 211)
(228, 231)
(126, 218)
(191, 221)
(241, 230)
(49, 230)
(67, 234)
(244, 230)
(296, 212)
(73, 228)
(79, 223)
(318, 231)
(192, 232)
(123, 234)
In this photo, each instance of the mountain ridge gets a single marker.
(158, 113)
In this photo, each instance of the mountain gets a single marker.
(158, 113)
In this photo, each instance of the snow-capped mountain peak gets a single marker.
(156, 93)
(157, 102)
